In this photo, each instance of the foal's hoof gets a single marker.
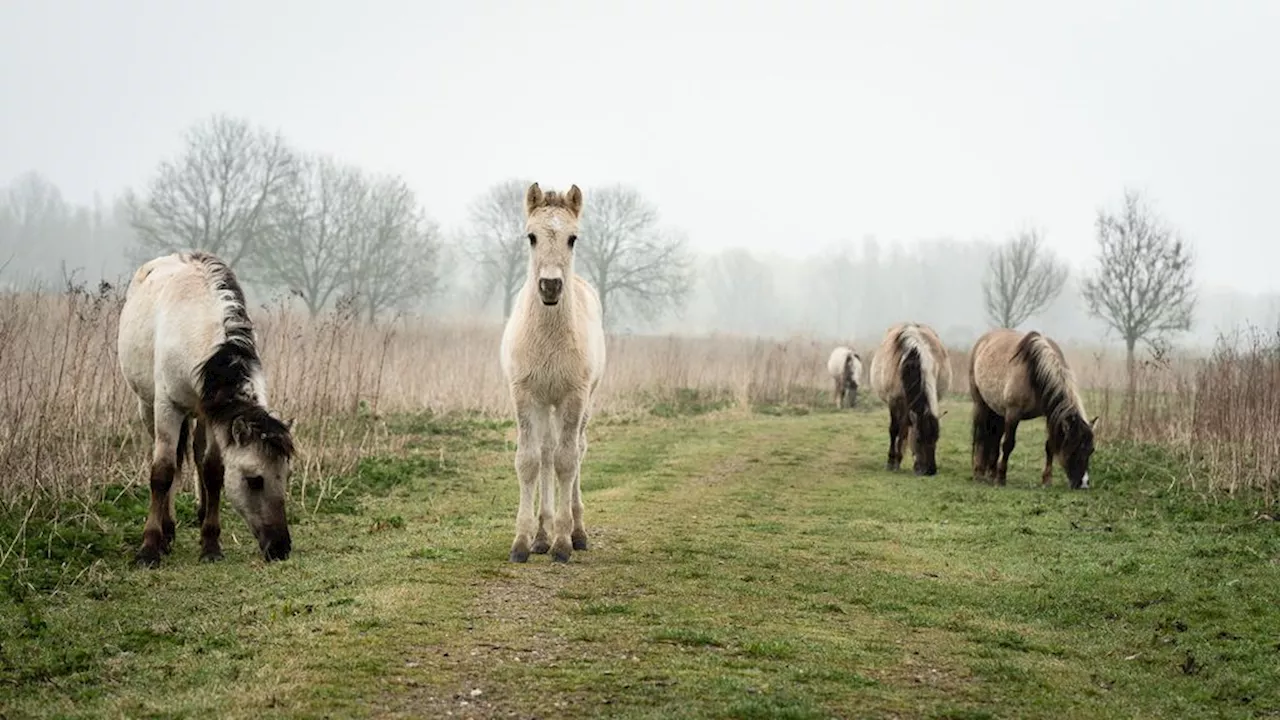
(210, 556)
(579, 539)
(561, 551)
(540, 545)
(147, 557)
(519, 555)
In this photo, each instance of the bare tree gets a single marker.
(312, 225)
(1143, 286)
(1022, 278)
(494, 240)
(217, 195)
(634, 264)
(392, 257)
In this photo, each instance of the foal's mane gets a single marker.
(1052, 381)
(227, 375)
(555, 199)
(919, 375)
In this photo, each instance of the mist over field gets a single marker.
(856, 169)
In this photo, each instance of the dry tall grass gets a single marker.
(70, 423)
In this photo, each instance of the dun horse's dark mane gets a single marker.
(912, 371)
(1053, 385)
(226, 376)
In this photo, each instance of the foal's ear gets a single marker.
(575, 200)
(241, 433)
(532, 199)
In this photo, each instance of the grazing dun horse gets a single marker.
(909, 371)
(845, 368)
(1015, 377)
(553, 356)
(187, 349)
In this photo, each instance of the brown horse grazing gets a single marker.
(1015, 377)
(909, 371)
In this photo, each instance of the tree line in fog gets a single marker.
(324, 234)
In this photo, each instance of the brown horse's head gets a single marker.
(1075, 449)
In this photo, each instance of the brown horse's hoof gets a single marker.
(210, 556)
(579, 540)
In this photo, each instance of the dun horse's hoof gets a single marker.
(147, 557)
(579, 539)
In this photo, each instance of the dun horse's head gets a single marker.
(1076, 449)
(926, 429)
(551, 220)
(256, 452)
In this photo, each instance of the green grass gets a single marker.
(742, 566)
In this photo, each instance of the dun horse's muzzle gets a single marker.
(275, 543)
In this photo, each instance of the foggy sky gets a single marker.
(781, 127)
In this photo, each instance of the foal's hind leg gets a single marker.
(167, 429)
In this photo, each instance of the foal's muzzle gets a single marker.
(550, 289)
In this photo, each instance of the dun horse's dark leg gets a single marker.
(1010, 439)
(156, 536)
(168, 523)
(895, 429)
(210, 468)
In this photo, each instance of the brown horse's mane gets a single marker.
(1054, 387)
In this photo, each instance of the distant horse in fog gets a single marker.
(187, 349)
(553, 356)
(1015, 377)
(845, 368)
(909, 372)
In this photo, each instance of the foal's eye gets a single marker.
(533, 239)
(572, 239)
(255, 483)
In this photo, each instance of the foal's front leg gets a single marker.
(567, 460)
(546, 490)
(531, 423)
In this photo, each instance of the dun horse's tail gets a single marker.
(1051, 379)
(917, 371)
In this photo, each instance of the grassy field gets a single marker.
(744, 565)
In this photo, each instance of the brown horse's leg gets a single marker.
(1046, 477)
(211, 471)
(1010, 439)
(896, 430)
(155, 536)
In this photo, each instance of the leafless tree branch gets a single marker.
(493, 240)
(1022, 278)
